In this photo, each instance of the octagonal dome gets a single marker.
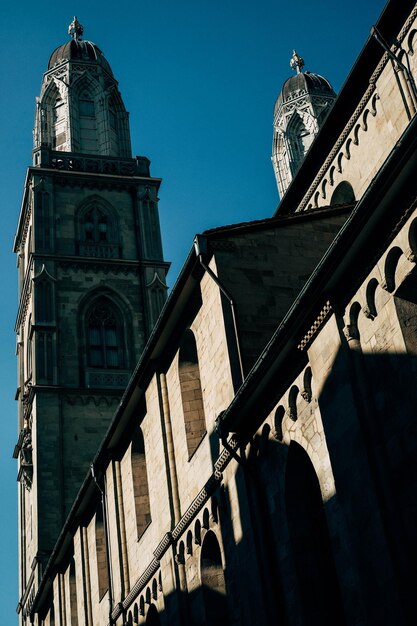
(79, 50)
(304, 83)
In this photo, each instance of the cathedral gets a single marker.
(243, 451)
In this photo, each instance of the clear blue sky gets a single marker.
(200, 80)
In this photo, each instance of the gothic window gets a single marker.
(58, 116)
(95, 226)
(44, 357)
(87, 124)
(140, 483)
(191, 393)
(102, 572)
(299, 140)
(44, 310)
(104, 336)
(98, 233)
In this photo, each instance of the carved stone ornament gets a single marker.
(351, 332)
(410, 256)
(367, 313)
(306, 395)
(25, 475)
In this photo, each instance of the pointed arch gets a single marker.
(106, 344)
(52, 117)
(140, 483)
(105, 335)
(118, 126)
(44, 297)
(191, 393)
(85, 93)
(299, 139)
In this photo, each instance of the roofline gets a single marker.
(184, 286)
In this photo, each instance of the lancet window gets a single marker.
(104, 336)
(98, 233)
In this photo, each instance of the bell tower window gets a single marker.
(98, 233)
(104, 336)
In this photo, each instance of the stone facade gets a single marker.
(261, 464)
(91, 286)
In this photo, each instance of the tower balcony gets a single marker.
(91, 164)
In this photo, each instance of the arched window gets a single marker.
(58, 117)
(98, 232)
(105, 340)
(343, 194)
(102, 572)
(44, 357)
(44, 309)
(299, 141)
(140, 483)
(213, 582)
(87, 123)
(191, 394)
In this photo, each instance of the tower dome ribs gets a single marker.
(80, 108)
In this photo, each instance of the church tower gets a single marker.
(300, 110)
(91, 286)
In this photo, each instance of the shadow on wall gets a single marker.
(299, 561)
(368, 407)
(285, 557)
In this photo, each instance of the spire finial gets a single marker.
(297, 62)
(75, 29)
